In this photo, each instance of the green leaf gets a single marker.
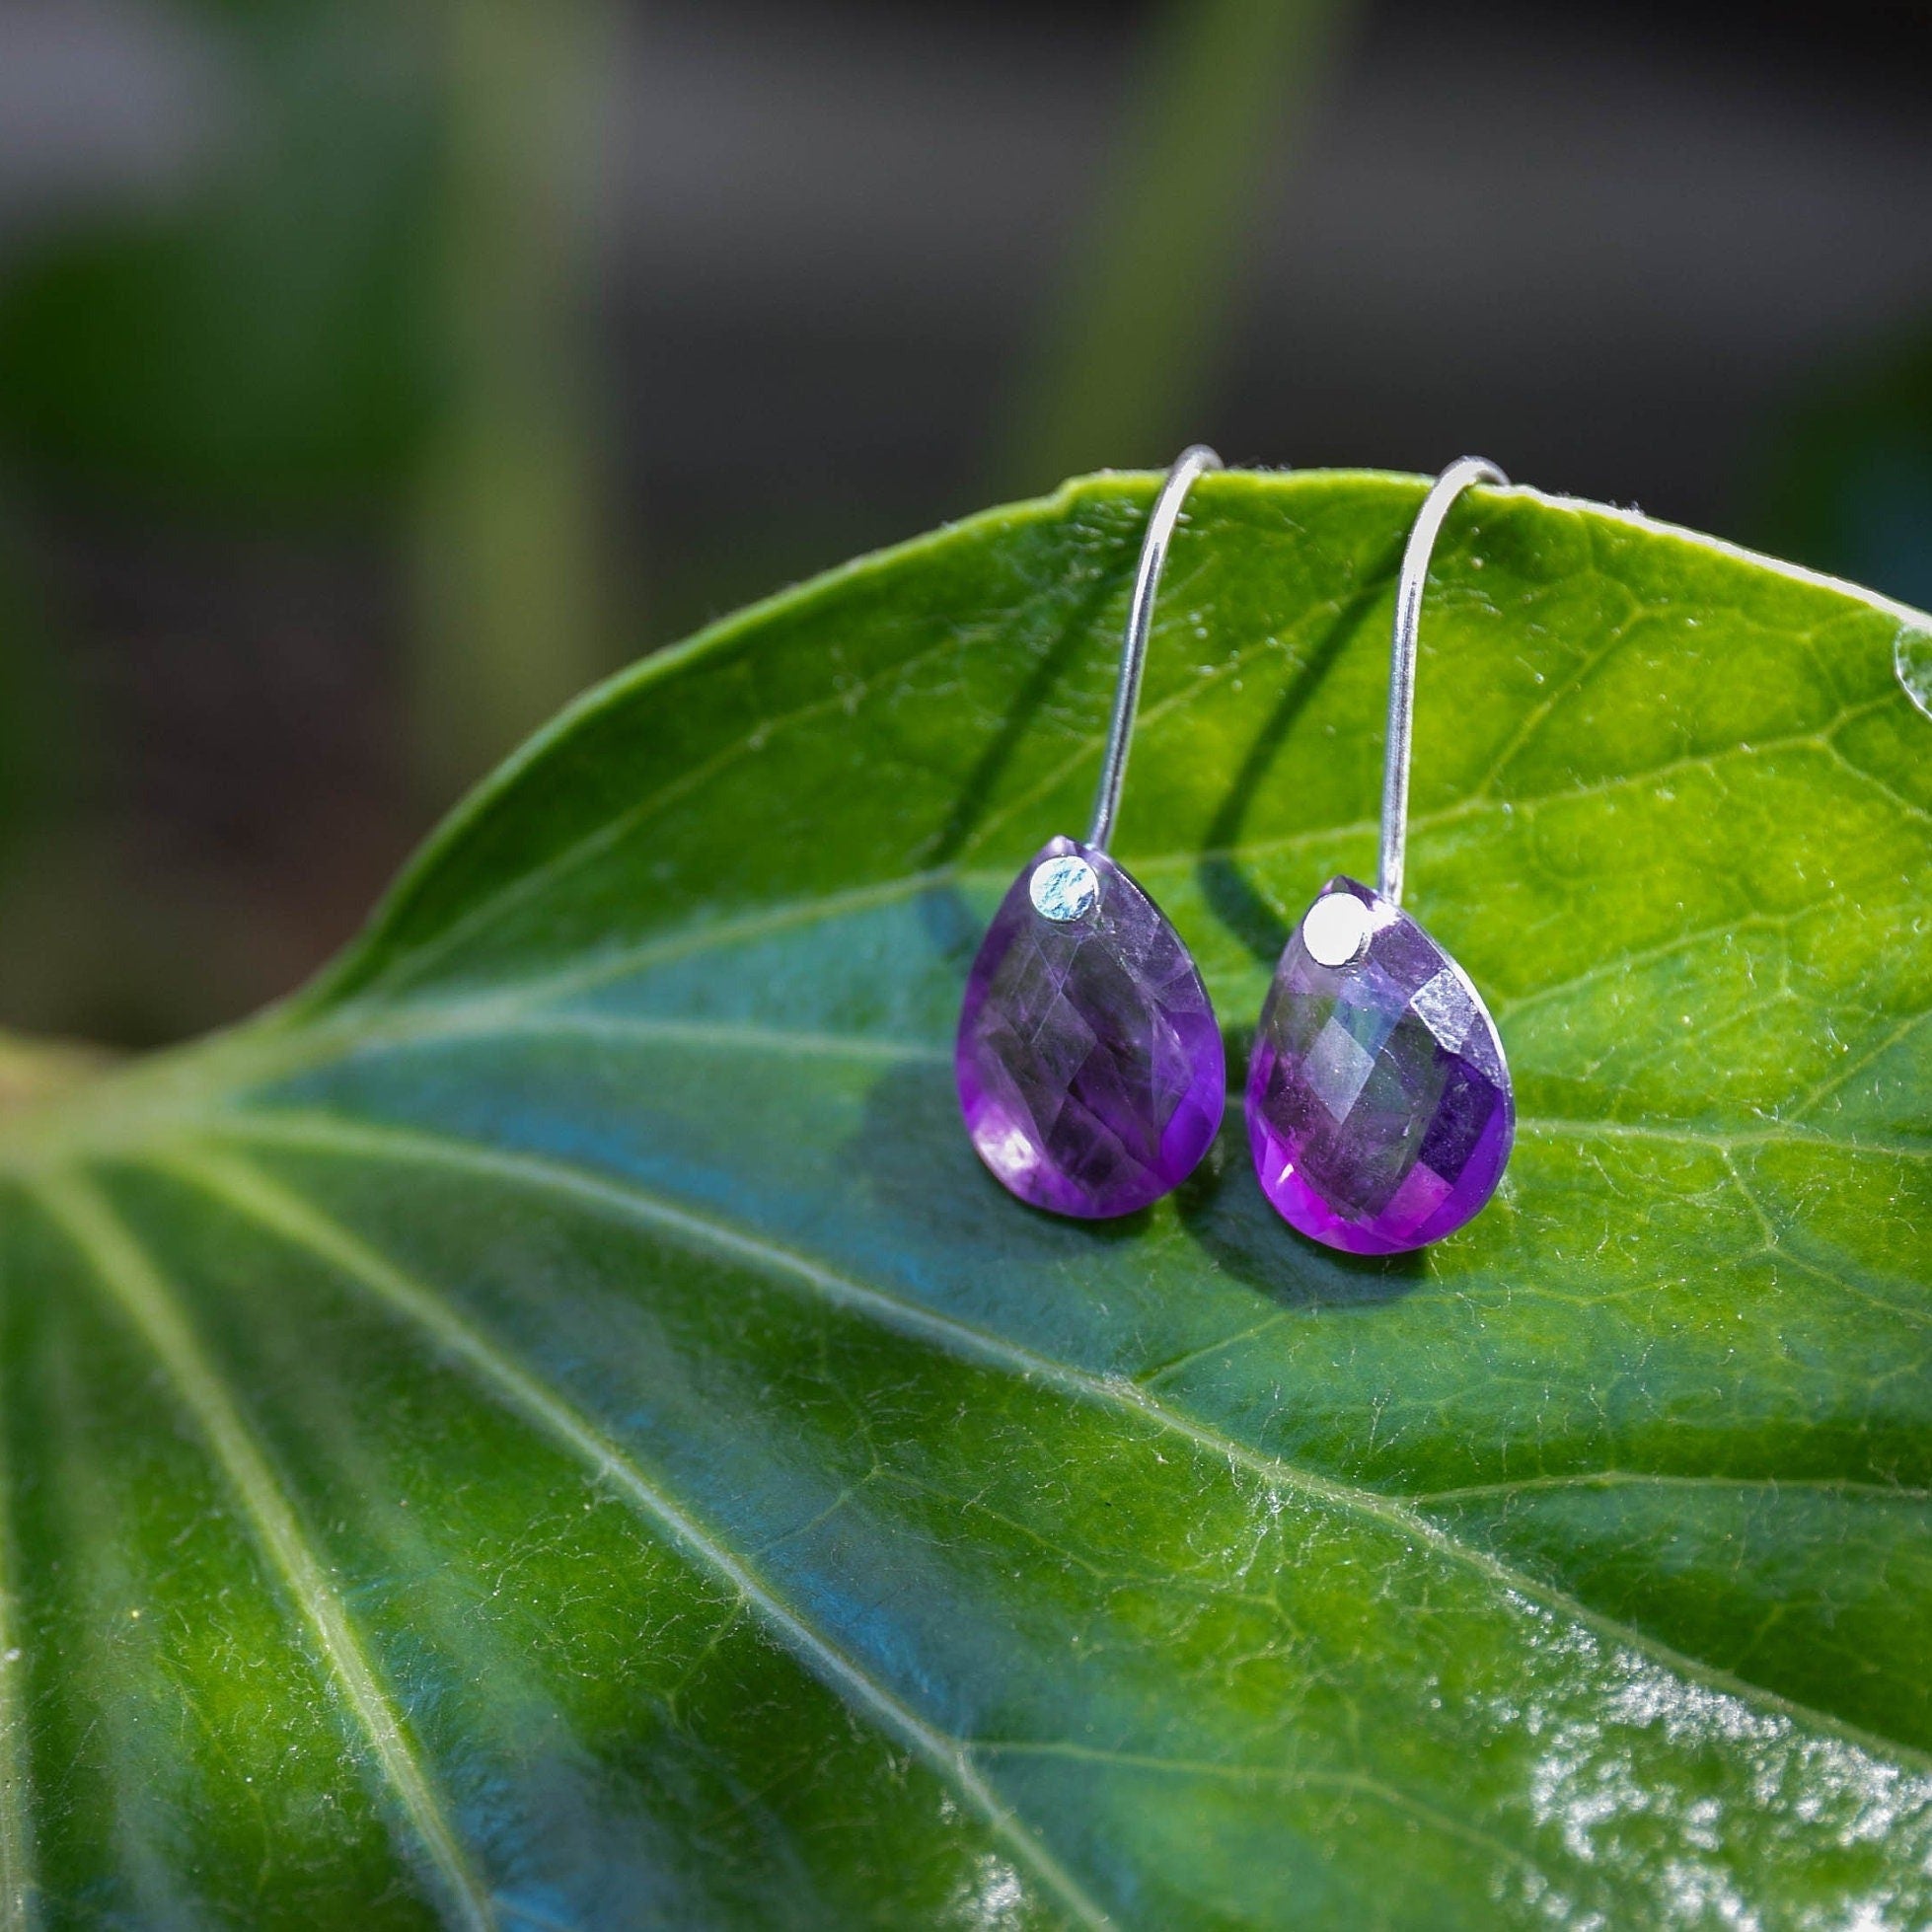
(555, 1427)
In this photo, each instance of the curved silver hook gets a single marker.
(1194, 461)
(1409, 587)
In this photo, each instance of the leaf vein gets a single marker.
(963, 1340)
(408, 966)
(1847, 1486)
(135, 1284)
(243, 1187)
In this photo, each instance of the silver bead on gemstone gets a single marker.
(1335, 928)
(1065, 889)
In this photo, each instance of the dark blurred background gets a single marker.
(375, 374)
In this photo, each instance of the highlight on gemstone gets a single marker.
(1379, 1102)
(1090, 1069)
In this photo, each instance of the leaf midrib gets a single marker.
(313, 1036)
(243, 1188)
(119, 1109)
(963, 1340)
(134, 1287)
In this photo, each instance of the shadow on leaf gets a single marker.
(1238, 905)
(1225, 1212)
(920, 1170)
(970, 805)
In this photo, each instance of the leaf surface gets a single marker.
(553, 1427)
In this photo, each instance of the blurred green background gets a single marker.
(374, 376)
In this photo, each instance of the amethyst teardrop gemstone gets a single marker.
(1090, 1069)
(1379, 1101)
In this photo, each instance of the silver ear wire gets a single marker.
(1194, 461)
(1409, 587)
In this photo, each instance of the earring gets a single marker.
(1090, 1068)
(1379, 1101)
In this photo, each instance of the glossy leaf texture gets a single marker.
(555, 1427)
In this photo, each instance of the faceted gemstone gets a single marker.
(1090, 1069)
(1379, 1102)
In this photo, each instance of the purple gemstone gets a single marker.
(1090, 1069)
(1379, 1107)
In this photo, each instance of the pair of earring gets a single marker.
(1090, 1067)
